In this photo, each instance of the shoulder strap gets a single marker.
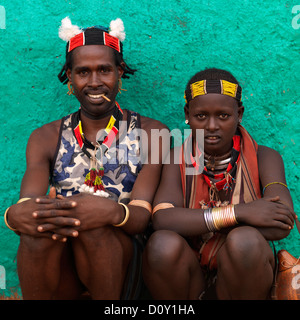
(57, 146)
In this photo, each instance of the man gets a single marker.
(83, 235)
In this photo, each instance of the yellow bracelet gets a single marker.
(269, 184)
(162, 206)
(23, 199)
(141, 203)
(126, 216)
(6, 222)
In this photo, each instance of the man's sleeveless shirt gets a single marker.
(123, 164)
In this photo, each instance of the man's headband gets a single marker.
(227, 88)
(77, 37)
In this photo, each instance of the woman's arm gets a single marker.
(273, 215)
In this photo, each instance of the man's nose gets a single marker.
(95, 80)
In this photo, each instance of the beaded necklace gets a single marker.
(93, 181)
(223, 180)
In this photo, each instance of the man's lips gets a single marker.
(97, 97)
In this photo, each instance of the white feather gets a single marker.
(67, 30)
(117, 29)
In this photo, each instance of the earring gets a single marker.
(240, 121)
(120, 86)
(71, 89)
(186, 121)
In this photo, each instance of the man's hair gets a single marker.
(62, 76)
(209, 74)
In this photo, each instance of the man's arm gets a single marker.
(39, 154)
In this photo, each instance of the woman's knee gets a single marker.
(245, 246)
(163, 248)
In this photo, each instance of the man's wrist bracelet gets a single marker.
(6, 222)
(126, 216)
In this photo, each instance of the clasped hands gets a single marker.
(59, 217)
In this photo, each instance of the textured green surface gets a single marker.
(167, 41)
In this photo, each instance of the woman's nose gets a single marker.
(212, 124)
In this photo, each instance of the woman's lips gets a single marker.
(212, 139)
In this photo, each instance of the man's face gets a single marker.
(93, 74)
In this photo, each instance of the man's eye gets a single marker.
(104, 70)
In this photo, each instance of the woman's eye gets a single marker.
(224, 116)
(200, 116)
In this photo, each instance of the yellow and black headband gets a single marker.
(203, 87)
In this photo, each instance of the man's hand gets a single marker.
(65, 217)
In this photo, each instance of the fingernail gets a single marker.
(40, 229)
(54, 237)
(73, 204)
(34, 214)
(75, 234)
(77, 223)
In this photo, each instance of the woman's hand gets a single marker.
(266, 213)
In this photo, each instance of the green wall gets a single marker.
(167, 41)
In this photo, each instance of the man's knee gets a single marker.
(36, 246)
(94, 238)
(163, 248)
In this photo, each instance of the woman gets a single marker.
(213, 227)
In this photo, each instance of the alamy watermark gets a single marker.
(296, 279)
(134, 148)
(296, 18)
(2, 278)
(2, 18)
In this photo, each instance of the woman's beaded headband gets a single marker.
(203, 87)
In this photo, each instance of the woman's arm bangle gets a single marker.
(6, 222)
(162, 206)
(271, 183)
(126, 216)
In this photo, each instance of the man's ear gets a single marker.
(68, 73)
(121, 69)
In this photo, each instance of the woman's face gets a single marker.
(218, 115)
(93, 74)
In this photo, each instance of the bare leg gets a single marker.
(46, 270)
(102, 257)
(38, 264)
(245, 265)
(170, 268)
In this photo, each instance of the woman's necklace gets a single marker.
(217, 163)
(219, 172)
(93, 182)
